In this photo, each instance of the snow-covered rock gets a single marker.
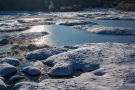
(4, 41)
(6, 69)
(12, 61)
(44, 53)
(31, 70)
(2, 85)
(14, 78)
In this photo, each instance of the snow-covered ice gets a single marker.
(113, 65)
(31, 70)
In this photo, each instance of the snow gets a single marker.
(113, 65)
(44, 53)
(14, 78)
(4, 41)
(2, 85)
(11, 61)
(31, 70)
(7, 69)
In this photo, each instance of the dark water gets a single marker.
(63, 35)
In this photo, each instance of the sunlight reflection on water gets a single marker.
(37, 29)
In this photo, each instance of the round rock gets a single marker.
(12, 61)
(4, 41)
(6, 69)
(14, 78)
(31, 70)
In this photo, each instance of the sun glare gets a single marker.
(37, 29)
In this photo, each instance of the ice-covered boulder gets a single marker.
(12, 61)
(6, 69)
(2, 85)
(4, 41)
(31, 70)
(14, 78)
(44, 53)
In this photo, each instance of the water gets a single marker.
(63, 35)
(116, 23)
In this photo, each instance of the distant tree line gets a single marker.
(65, 5)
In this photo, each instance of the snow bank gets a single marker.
(116, 70)
(44, 53)
(26, 35)
(6, 69)
(31, 70)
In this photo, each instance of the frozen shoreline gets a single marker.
(106, 66)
